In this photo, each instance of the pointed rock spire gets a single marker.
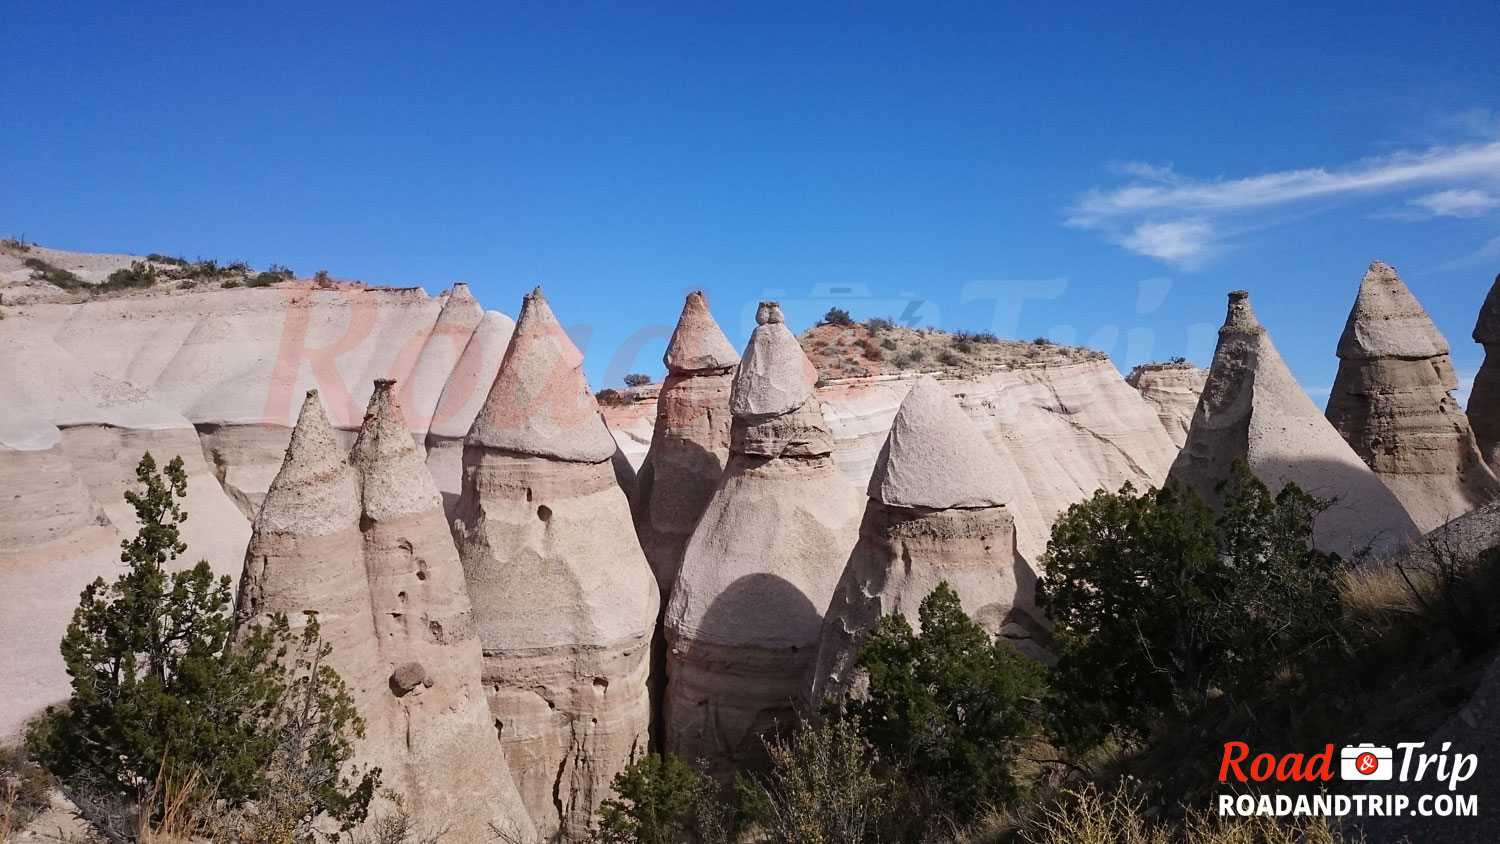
(1253, 409)
(774, 377)
(564, 601)
(743, 621)
(540, 403)
(463, 397)
(441, 351)
(1484, 398)
(698, 344)
(1391, 403)
(314, 493)
(929, 459)
(392, 476)
(689, 442)
(1388, 322)
(434, 727)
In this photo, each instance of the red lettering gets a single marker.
(1319, 766)
(1233, 761)
(1256, 772)
(1282, 774)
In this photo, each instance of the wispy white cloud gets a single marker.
(1178, 219)
(1181, 242)
(1456, 202)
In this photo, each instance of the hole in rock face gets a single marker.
(499, 728)
(551, 704)
(528, 493)
(601, 684)
(544, 513)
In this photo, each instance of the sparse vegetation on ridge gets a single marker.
(43, 271)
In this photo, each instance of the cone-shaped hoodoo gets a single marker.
(1391, 402)
(936, 512)
(1253, 409)
(761, 566)
(564, 600)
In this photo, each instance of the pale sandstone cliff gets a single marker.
(1392, 403)
(564, 600)
(1174, 389)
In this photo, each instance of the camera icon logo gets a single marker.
(1366, 762)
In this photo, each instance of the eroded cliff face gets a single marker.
(211, 374)
(1174, 389)
(1484, 398)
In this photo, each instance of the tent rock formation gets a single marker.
(936, 512)
(1391, 401)
(760, 568)
(564, 599)
(1484, 398)
(1253, 409)
(367, 550)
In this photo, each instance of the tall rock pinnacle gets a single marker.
(935, 513)
(367, 551)
(462, 398)
(1484, 398)
(1253, 409)
(690, 441)
(540, 403)
(689, 447)
(564, 600)
(743, 621)
(1391, 401)
(441, 747)
(440, 355)
(305, 553)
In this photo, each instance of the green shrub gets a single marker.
(1042, 341)
(948, 705)
(159, 258)
(963, 347)
(877, 325)
(43, 271)
(821, 789)
(1156, 607)
(230, 282)
(637, 379)
(980, 337)
(888, 344)
(837, 316)
(165, 713)
(265, 279)
(658, 799)
(140, 274)
(916, 355)
(947, 358)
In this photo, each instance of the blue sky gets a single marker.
(1097, 177)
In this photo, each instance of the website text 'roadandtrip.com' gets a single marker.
(1436, 780)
